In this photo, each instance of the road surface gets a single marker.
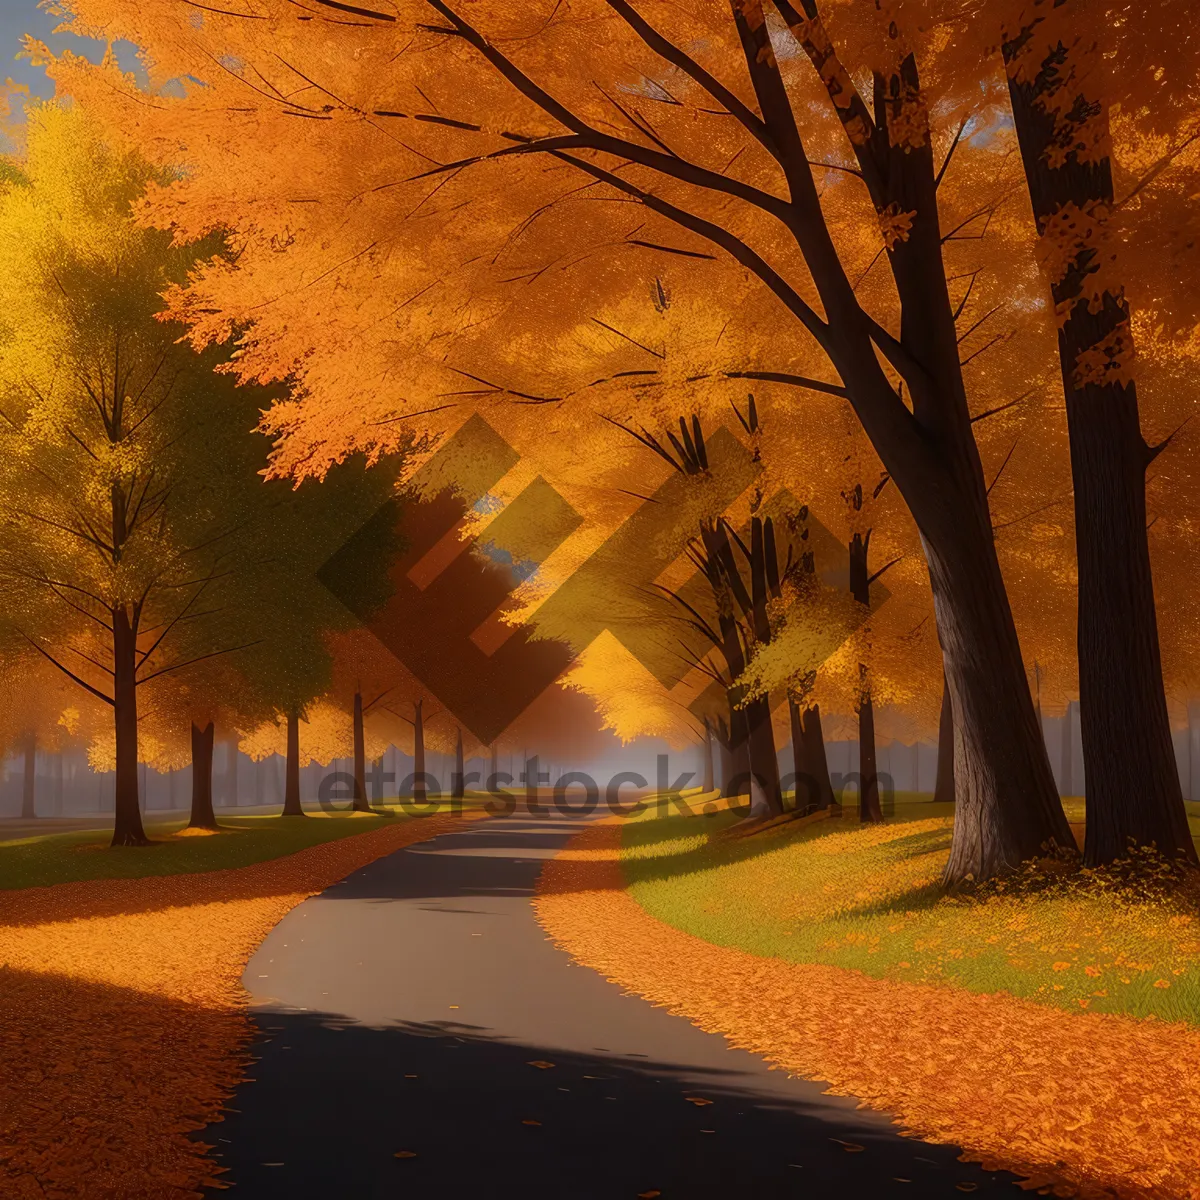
(415, 1009)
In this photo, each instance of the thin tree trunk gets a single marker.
(860, 589)
(1068, 750)
(57, 774)
(709, 783)
(29, 779)
(803, 794)
(1133, 792)
(361, 803)
(943, 788)
(868, 785)
(127, 816)
(419, 790)
(202, 816)
(291, 788)
(457, 787)
(815, 756)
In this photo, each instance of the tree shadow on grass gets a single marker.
(713, 854)
(333, 1103)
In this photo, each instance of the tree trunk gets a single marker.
(419, 790)
(709, 782)
(127, 818)
(203, 816)
(803, 789)
(737, 776)
(57, 774)
(1193, 757)
(868, 785)
(291, 788)
(860, 589)
(764, 762)
(815, 756)
(457, 787)
(1067, 750)
(361, 803)
(1133, 792)
(943, 788)
(1007, 807)
(29, 779)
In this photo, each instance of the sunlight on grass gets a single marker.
(241, 841)
(867, 898)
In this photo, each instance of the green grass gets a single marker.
(868, 898)
(62, 857)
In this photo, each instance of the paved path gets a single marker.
(401, 1010)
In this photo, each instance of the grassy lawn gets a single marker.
(61, 857)
(867, 898)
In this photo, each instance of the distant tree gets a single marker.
(138, 541)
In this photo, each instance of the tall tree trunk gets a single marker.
(202, 816)
(361, 803)
(868, 785)
(815, 756)
(1133, 793)
(1193, 756)
(943, 788)
(1008, 808)
(860, 589)
(709, 782)
(457, 787)
(764, 759)
(804, 799)
(291, 788)
(764, 762)
(29, 779)
(419, 789)
(737, 777)
(1067, 750)
(127, 818)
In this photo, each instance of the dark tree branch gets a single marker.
(83, 683)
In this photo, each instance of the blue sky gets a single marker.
(19, 17)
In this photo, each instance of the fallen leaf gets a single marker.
(698, 1101)
(649, 1195)
(541, 1064)
(967, 1187)
(530, 1121)
(405, 1154)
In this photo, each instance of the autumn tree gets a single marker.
(142, 545)
(1060, 98)
(111, 539)
(766, 210)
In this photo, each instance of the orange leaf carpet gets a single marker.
(1090, 1104)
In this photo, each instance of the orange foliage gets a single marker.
(125, 1023)
(1038, 1091)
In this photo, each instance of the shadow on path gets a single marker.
(402, 1010)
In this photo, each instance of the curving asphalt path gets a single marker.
(401, 1010)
